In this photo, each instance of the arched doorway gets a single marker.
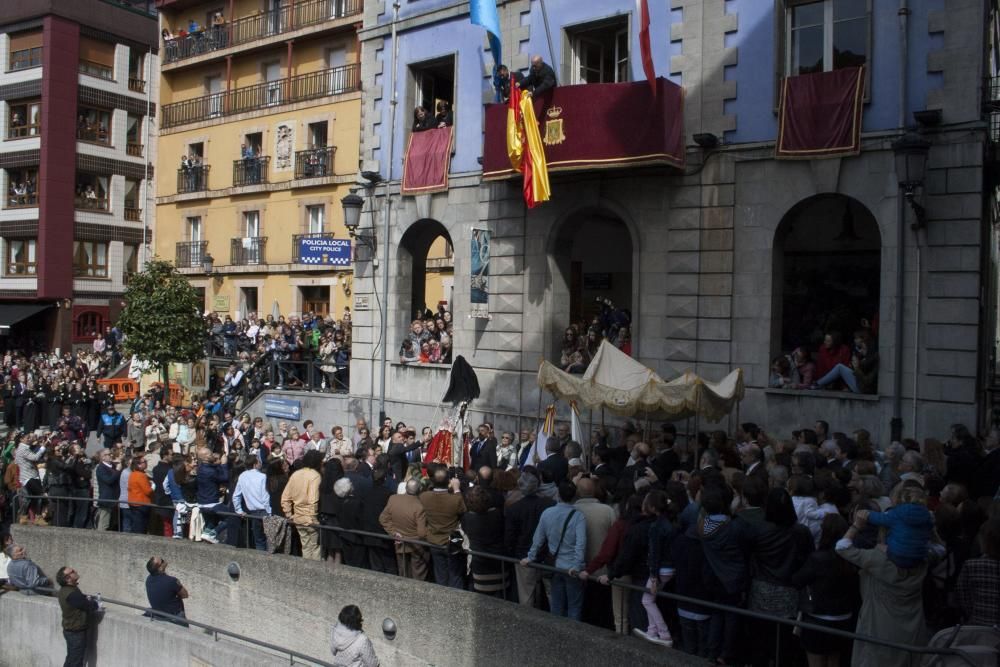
(592, 264)
(425, 271)
(827, 269)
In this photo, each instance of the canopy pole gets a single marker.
(697, 441)
(737, 414)
(589, 447)
(646, 433)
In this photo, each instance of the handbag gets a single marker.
(549, 558)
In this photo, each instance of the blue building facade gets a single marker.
(734, 261)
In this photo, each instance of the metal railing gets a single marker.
(190, 254)
(248, 251)
(90, 204)
(259, 26)
(315, 162)
(216, 632)
(97, 70)
(300, 88)
(22, 201)
(250, 170)
(136, 85)
(22, 131)
(135, 150)
(192, 179)
(96, 135)
(132, 213)
(235, 521)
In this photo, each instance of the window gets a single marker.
(197, 149)
(22, 188)
(130, 261)
(194, 228)
(26, 50)
(93, 125)
(254, 141)
(600, 52)
(315, 216)
(136, 71)
(86, 325)
(132, 210)
(433, 84)
(92, 192)
(317, 135)
(97, 58)
(826, 35)
(251, 224)
(272, 75)
(90, 259)
(133, 137)
(315, 300)
(20, 257)
(24, 119)
(213, 87)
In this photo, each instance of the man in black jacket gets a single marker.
(381, 552)
(540, 79)
(108, 473)
(398, 450)
(76, 608)
(483, 450)
(520, 522)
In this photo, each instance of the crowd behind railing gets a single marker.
(581, 340)
(716, 542)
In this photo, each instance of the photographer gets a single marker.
(58, 483)
(79, 473)
(29, 452)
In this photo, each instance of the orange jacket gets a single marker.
(140, 490)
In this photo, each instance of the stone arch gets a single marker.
(413, 268)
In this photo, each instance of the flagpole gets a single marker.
(548, 33)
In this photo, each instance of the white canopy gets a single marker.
(621, 384)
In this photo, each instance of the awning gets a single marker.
(12, 313)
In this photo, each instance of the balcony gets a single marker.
(333, 81)
(250, 171)
(131, 212)
(22, 201)
(259, 26)
(647, 131)
(136, 85)
(248, 251)
(192, 179)
(96, 70)
(84, 203)
(135, 150)
(190, 254)
(94, 135)
(314, 162)
(23, 131)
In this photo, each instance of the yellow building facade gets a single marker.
(258, 143)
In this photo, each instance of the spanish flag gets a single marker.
(522, 132)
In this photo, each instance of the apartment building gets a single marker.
(77, 123)
(259, 142)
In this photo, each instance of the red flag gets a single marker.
(644, 47)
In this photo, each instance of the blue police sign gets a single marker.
(324, 250)
(282, 408)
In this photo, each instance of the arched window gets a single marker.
(827, 265)
(86, 325)
(425, 280)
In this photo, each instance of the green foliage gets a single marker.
(162, 321)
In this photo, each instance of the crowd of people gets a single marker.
(429, 340)
(894, 543)
(195, 38)
(582, 340)
(833, 366)
(307, 352)
(22, 193)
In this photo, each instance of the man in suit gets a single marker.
(398, 450)
(753, 461)
(483, 450)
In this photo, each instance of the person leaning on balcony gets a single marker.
(540, 79)
(422, 119)
(444, 117)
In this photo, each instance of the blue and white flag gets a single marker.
(484, 13)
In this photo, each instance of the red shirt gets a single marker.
(827, 358)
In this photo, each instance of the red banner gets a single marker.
(597, 126)
(428, 159)
(820, 114)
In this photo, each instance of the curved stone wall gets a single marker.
(293, 603)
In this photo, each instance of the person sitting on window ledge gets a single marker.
(408, 353)
(803, 369)
(780, 373)
(422, 120)
(861, 376)
(540, 79)
(443, 118)
(831, 353)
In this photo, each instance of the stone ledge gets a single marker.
(818, 393)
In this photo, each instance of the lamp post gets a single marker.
(352, 205)
(207, 264)
(910, 153)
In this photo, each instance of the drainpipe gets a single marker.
(393, 102)
(896, 425)
(147, 122)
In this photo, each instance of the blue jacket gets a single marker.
(572, 547)
(112, 426)
(210, 477)
(176, 496)
(910, 527)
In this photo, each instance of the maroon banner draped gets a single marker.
(597, 126)
(820, 114)
(428, 158)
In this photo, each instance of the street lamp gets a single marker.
(207, 264)
(352, 204)
(911, 166)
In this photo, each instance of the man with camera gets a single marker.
(69, 477)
